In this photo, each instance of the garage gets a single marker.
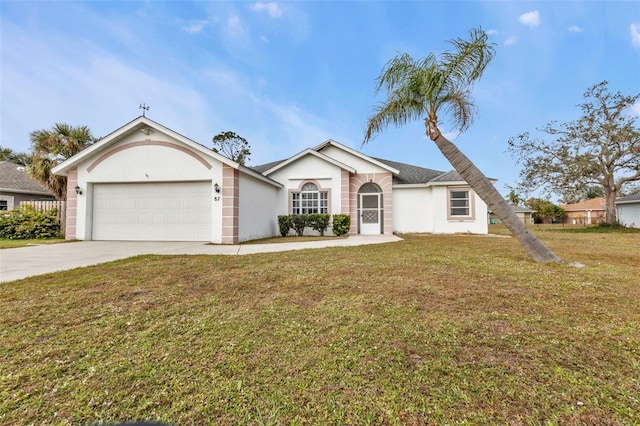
(159, 211)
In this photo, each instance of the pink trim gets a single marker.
(385, 182)
(344, 192)
(230, 204)
(145, 143)
(72, 205)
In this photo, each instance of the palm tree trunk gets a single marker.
(490, 195)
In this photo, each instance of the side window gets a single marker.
(460, 204)
(6, 202)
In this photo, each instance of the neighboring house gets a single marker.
(524, 213)
(17, 186)
(146, 182)
(629, 211)
(586, 212)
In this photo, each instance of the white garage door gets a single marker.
(171, 211)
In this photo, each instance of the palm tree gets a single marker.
(423, 89)
(51, 147)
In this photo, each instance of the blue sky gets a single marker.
(289, 75)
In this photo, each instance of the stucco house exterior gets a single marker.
(587, 212)
(17, 186)
(145, 181)
(629, 211)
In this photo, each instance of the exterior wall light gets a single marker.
(216, 188)
(78, 190)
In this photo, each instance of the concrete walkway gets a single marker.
(24, 262)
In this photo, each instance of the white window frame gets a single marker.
(310, 198)
(9, 200)
(469, 206)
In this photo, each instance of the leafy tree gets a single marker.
(50, 147)
(545, 209)
(232, 146)
(600, 148)
(7, 154)
(421, 89)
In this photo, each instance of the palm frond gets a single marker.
(459, 105)
(470, 57)
(431, 85)
(397, 111)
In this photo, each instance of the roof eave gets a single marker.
(62, 168)
(357, 154)
(26, 191)
(305, 153)
(263, 178)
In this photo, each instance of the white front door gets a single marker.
(370, 213)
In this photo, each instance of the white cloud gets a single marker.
(492, 32)
(511, 41)
(271, 8)
(575, 29)
(195, 27)
(234, 26)
(635, 109)
(635, 34)
(530, 19)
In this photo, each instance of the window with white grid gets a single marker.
(309, 200)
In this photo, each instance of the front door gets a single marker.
(370, 213)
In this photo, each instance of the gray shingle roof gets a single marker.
(264, 167)
(635, 197)
(13, 177)
(449, 177)
(409, 174)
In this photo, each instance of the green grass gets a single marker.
(4, 244)
(431, 330)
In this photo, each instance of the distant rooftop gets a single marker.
(14, 178)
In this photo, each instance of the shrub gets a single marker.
(341, 224)
(609, 225)
(299, 222)
(319, 222)
(25, 222)
(284, 223)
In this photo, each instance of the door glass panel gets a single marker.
(370, 216)
(370, 201)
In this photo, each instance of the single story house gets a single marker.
(586, 212)
(629, 210)
(144, 181)
(17, 186)
(524, 213)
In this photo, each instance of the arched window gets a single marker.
(309, 200)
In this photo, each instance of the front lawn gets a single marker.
(4, 244)
(430, 330)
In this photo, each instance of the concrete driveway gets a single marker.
(24, 262)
